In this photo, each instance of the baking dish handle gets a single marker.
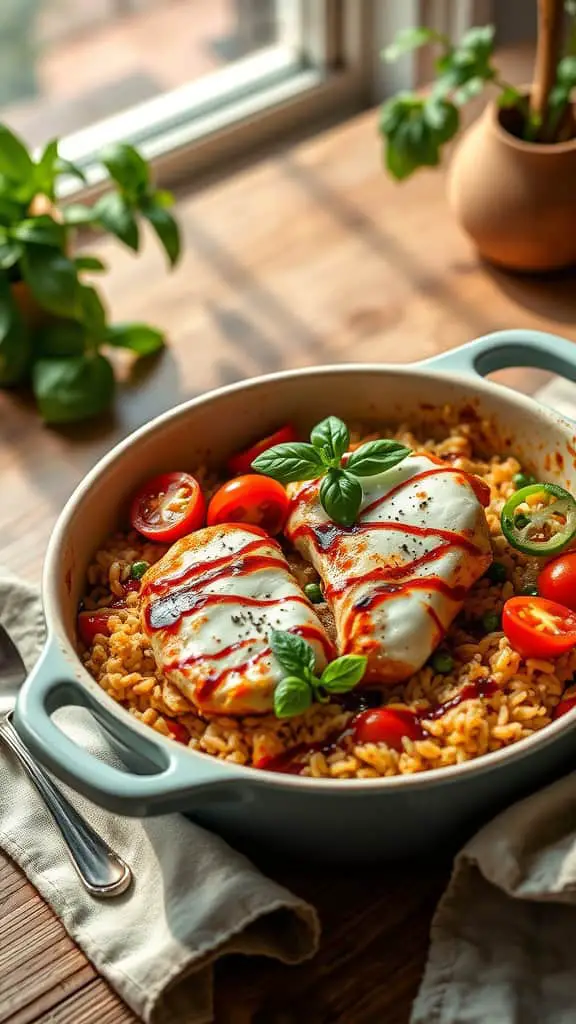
(509, 348)
(171, 780)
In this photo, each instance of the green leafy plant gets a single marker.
(416, 126)
(340, 490)
(60, 352)
(300, 687)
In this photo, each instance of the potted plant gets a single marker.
(54, 328)
(512, 180)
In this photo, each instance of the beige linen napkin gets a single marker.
(193, 899)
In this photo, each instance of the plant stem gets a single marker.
(550, 24)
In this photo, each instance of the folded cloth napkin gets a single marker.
(193, 899)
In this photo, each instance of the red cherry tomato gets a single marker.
(91, 623)
(387, 725)
(538, 628)
(253, 499)
(242, 462)
(178, 731)
(168, 507)
(557, 581)
(564, 707)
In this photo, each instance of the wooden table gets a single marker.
(310, 256)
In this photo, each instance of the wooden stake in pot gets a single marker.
(550, 25)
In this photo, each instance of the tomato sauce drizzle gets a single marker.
(291, 762)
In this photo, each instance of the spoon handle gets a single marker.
(102, 872)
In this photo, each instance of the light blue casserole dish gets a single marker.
(325, 819)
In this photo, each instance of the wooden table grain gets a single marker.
(310, 256)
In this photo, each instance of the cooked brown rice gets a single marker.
(527, 690)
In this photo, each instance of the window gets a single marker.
(215, 75)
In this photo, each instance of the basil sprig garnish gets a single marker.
(300, 687)
(340, 490)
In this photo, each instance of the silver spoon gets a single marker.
(102, 872)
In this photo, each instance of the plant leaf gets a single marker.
(127, 167)
(63, 338)
(139, 338)
(296, 657)
(42, 230)
(63, 166)
(443, 118)
(117, 216)
(288, 462)
(15, 350)
(78, 214)
(344, 674)
(341, 496)
(292, 696)
(11, 211)
(92, 312)
(509, 97)
(161, 197)
(376, 457)
(10, 253)
(45, 171)
(332, 436)
(89, 263)
(52, 279)
(73, 388)
(166, 228)
(409, 39)
(15, 161)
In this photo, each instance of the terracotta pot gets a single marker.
(516, 199)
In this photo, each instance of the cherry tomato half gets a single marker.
(565, 705)
(254, 499)
(557, 581)
(91, 623)
(168, 507)
(387, 725)
(538, 628)
(178, 731)
(242, 462)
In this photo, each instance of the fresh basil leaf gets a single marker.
(161, 197)
(42, 230)
(52, 279)
(15, 349)
(139, 338)
(296, 657)
(92, 312)
(10, 253)
(166, 229)
(78, 214)
(331, 436)
(292, 696)
(63, 166)
(344, 674)
(341, 496)
(409, 39)
(127, 167)
(45, 172)
(11, 211)
(116, 215)
(289, 462)
(73, 388)
(62, 338)
(90, 263)
(376, 457)
(15, 161)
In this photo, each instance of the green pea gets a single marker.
(529, 590)
(521, 521)
(314, 593)
(523, 480)
(496, 572)
(442, 662)
(138, 569)
(491, 622)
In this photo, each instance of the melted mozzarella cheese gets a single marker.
(396, 579)
(208, 607)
